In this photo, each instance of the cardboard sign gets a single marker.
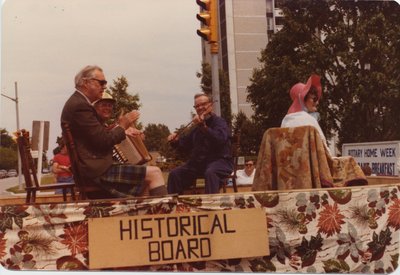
(383, 158)
(177, 238)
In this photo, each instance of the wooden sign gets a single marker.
(36, 134)
(382, 157)
(176, 238)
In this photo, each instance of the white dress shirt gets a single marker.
(243, 178)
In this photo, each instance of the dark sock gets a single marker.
(159, 191)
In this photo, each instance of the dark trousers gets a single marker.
(213, 172)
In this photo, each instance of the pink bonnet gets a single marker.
(299, 91)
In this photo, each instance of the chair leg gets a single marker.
(28, 196)
(82, 194)
(33, 199)
(64, 194)
(73, 194)
(234, 185)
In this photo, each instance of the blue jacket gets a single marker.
(207, 144)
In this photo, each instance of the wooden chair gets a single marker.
(29, 171)
(235, 145)
(87, 188)
(84, 186)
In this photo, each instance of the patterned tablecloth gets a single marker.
(350, 230)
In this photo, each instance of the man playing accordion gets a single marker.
(95, 143)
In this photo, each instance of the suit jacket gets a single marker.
(93, 141)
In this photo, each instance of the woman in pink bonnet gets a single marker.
(303, 110)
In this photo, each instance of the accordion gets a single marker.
(131, 150)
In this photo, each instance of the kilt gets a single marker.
(123, 180)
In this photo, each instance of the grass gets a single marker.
(15, 190)
(46, 179)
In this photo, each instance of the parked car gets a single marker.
(3, 174)
(12, 173)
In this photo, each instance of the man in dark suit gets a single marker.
(94, 142)
(210, 150)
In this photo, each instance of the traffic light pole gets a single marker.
(215, 80)
(209, 32)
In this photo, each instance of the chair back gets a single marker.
(74, 158)
(235, 149)
(27, 162)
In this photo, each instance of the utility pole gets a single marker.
(209, 32)
(20, 187)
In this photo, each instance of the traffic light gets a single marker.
(209, 20)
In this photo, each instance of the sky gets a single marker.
(153, 43)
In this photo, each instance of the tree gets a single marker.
(156, 138)
(250, 134)
(125, 102)
(206, 86)
(8, 158)
(350, 45)
(8, 151)
(6, 140)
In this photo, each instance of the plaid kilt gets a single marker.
(123, 180)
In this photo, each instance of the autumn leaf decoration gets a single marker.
(394, 214)
(378, 244)
(2, 245)
(75, 237)
(330, 220)
(8, 214)
(98, 209)
(308, 250)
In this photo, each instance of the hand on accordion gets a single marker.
(133, 132)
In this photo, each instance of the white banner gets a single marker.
(382, 157)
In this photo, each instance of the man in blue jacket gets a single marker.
(210, 150)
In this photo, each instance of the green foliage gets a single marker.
(225, 97)
(8, 151)
(355, 47)
(125, 102)
(156, 138)
(8, 158)
(205, 75)
(6, 140)
(250, 134)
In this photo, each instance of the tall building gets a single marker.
(244, 29)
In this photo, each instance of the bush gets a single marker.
(8, 158)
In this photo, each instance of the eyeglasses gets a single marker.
(248, 164)
(201, 105)
(313, 98)
(101, 82)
